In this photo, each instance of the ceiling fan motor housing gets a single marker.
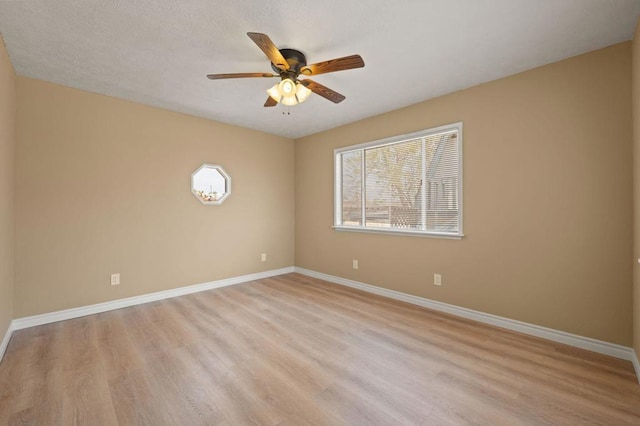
(296, 61)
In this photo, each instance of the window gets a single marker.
(409, 184)
(210, 184)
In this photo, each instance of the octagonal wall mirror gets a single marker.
(210, 184)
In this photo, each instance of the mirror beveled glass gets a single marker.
(210, 184)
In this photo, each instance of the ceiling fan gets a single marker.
(289, 64)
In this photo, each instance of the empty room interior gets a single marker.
(242, 212)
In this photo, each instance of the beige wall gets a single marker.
(547, 200)
(102, 186)
(636, 188)
(7, 162)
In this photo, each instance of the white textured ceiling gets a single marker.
(157, 52)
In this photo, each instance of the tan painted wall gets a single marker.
(636, 187)
(7, 169)
(103, 186)
(547, 200)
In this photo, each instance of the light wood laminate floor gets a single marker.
(296, 350)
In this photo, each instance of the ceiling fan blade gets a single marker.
(323, 91)
(240, 75)
(270, 102)
(339, 64)
(266, 45)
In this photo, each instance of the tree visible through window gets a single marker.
(411, 183)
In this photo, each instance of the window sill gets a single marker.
(429, 234)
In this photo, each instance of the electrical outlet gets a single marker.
(263, 257)
(437, 279)
(355, 264)
(115, 279)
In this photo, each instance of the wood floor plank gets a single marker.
(115, 347)
(294, 350)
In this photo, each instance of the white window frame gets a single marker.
(337, 192)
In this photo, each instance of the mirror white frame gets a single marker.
(208, 188)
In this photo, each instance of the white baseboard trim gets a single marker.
(66, 314)
(588, 343)
(636, 363)
(5, 340)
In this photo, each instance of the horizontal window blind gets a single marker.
(409, 184)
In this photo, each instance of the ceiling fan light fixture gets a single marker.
(302, 93)
(289, 93)
(289, 100)
(275, 93)
(287, 87)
